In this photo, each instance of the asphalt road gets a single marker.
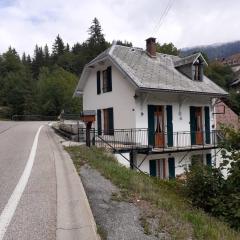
(35, 215)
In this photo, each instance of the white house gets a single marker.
(156, 110)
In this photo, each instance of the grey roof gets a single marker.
(156, 73)
(186, 60)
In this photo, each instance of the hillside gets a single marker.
(214, 51)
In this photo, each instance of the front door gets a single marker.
(159, 127)
(199, 129)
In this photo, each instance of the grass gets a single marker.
(175, 215)
(102, 233)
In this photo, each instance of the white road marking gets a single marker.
(10, 208)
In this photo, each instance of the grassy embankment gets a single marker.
(164, 200)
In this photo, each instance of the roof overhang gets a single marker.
(213, 95)
(88, 68)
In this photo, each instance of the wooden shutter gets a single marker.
(110, 121)
(169, 126)
(209, 159)
(153, 168)
(207, 125)
(99, 122)
(171, 167)
(98, 82)
(193, 125)
(109, 79)
(151, 110)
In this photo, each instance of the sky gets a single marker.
(185, 23)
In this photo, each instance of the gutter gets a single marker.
(143, 89)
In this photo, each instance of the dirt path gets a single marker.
(119, 220)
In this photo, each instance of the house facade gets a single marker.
(156, 111)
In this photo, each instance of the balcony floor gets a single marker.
(128, 147)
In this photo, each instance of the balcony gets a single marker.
(142, 139)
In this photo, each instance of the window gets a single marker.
(105, 81)
(157, 168)
(108, 125)
(197, 74)
(98, 82)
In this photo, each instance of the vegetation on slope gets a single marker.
(167, 204)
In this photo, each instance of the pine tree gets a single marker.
(38, 61)
(46, 56)
(58, 47)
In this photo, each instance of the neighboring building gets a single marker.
(226, 116)
(234, 62)
(154, 109)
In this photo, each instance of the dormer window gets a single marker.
(197, 70)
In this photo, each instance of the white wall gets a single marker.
(182, 160)
(181, 122)
(121, 98)
(122, 160)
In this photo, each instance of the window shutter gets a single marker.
(99, 121)
(193, 125)
(207, 125)
(98, 82)
(171, 167)
(109, 79)
(209, 159)
(151, 110)
(153, 168)
(111, 121)
(169, 126)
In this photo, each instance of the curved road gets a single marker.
(35, 215)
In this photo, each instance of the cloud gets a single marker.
(25, 23)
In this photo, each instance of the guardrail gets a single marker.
(34, 118)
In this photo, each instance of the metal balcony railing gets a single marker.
(140, 138)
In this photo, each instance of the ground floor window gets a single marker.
(162, 168)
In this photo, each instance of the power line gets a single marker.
(162, 16)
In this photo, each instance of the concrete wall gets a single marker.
(121, 98)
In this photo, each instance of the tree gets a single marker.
(167, 48)
(38, 61)
(55, 89)
(220, 74)
(125, 43)
(58, 47)
(96, 42)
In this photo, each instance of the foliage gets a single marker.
(125, 43)
(55, 88)
(209, 190)
(167, 48)
(220, 74)
(165, 202)
(44, 84)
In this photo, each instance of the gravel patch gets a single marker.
(120, 220)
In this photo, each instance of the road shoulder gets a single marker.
(74, 216)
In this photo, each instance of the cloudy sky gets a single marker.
(184, 22)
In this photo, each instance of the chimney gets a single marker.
(151, 47)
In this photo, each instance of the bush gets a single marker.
(207, 188)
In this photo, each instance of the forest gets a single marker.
(43, 84)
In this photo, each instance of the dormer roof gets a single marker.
(191, 59)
